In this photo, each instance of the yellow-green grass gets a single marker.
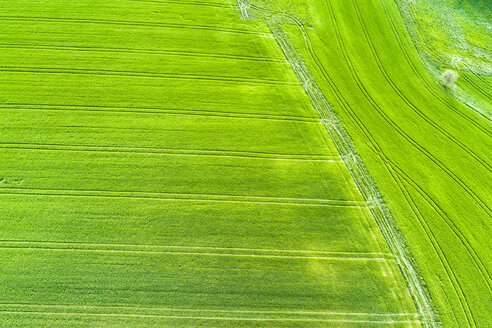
(161, 166)
(429, 154)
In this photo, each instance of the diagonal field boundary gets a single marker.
(350, 156)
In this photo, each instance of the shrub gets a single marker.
(449, 78)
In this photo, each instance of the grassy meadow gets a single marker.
(455, 34)
(162, 166)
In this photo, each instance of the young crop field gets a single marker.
(428, 153)
(224, 163)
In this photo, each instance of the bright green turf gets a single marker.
(161, 166)
(429, 154)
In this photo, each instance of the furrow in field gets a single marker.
(410, 104)
(440, 253)
(476, 198)
(442, 214)
(116, 306)
(485, 81)
(127, 23)
(181, 196)
(170, 151)
(477, 87)
(364, 130)
(464, 241)
(76, 71)
(158, 111)
(142, 51)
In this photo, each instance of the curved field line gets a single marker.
(450, 224)
(431, 237)
(463, 240)
(142, 51)
(423, 81)
(74, 71)
(396, 177)
(162, 111)
(365, 132)
(127, 23)
(453, 280)
(397, 128)
(440, 253)
(182, 196)
(389, 166)
(477, 87)
(485, 81)
(463, 295)
(169, 152)
(409, 104)
(374, 145)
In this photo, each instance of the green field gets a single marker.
(162, 166)
(163, 163)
